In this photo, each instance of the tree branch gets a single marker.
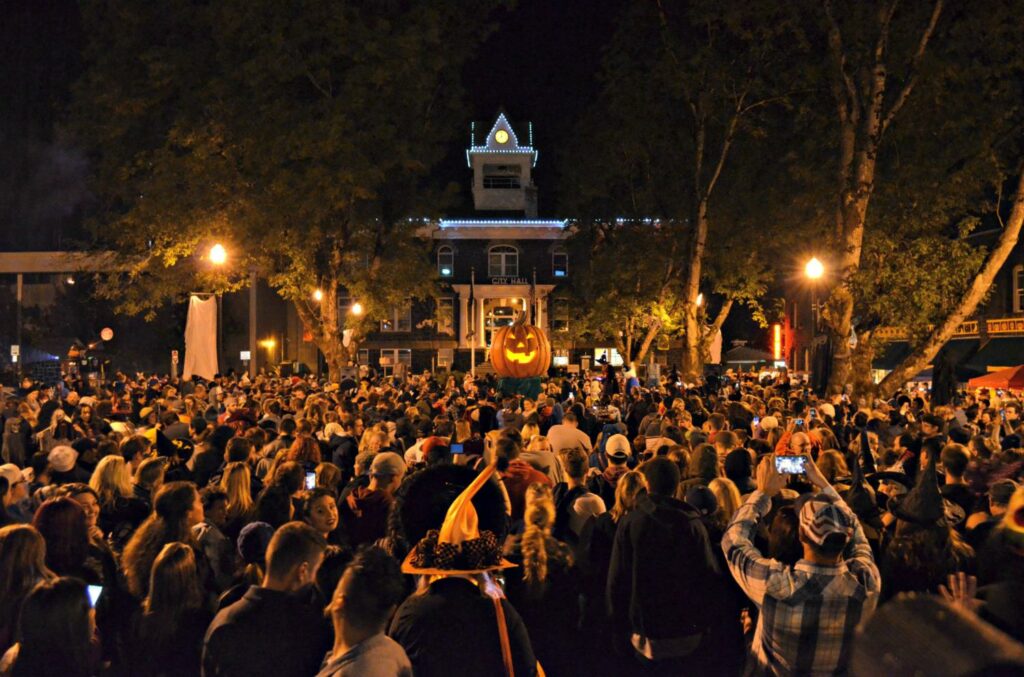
(915, 64)
(980, 286)
(848, 108)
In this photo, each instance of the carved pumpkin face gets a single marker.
(520, 351)
(521, 345)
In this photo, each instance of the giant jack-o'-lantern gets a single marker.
(521, 350)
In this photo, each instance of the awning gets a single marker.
(746, 355)
(999, 353)
(960, 350)
(1006, 379)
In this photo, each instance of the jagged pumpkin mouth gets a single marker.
(520, 357)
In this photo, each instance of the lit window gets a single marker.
(399, 319)
(503, 261)
(1018, 289)
(560, 263)
(445, 261)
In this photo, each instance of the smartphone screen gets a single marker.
(457, 449)
(813, 413)
(94, 594)
(311, 480)
(757, 420)
(790, 465)
(799, 421)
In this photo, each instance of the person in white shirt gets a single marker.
(567, 435)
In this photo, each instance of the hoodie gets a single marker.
(364, 514)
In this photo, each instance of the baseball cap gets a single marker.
(13, 474)
(820, 518)
(617, 449)
(387, 464)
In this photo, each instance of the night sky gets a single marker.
(540, 65)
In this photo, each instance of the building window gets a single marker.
(503, 261)
(560, 263)
(363, 356)
(446, 316)
(559, 314)
(399, 319)
(502, 177)
(1018, 289)
(389, 357)
(445, 261)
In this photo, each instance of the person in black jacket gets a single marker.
(663, 577)
(276, 628)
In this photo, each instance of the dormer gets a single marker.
(502, 166)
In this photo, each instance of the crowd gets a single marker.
(433, 526)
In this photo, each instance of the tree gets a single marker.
(688, 88)
(925, 115)
(300, 134)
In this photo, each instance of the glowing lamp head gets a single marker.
(814, 269)
(700, 300)
(318, 295)
(218, 255)
(357, 308)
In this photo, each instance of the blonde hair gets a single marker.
(728, 497)
(832, 465)
(111, 479)
(539, 518)
(627, 491)
(236, 483)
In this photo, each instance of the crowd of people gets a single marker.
(428, 525)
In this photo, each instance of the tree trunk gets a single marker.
(693, 363)
(922, 357)
(324, 322)
(645, 346)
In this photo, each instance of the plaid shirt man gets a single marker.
(808, 612)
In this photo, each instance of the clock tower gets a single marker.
(502, 167)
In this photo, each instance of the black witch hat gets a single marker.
(923, 504)
(861, 497)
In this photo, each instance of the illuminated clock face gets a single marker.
(501, 136)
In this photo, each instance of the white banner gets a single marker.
(201, 338)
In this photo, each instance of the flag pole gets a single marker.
(472, 323)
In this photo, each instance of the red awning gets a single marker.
(1006, 379)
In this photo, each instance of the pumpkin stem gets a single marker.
(520, 319)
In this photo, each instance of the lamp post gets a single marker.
(218, 257)
(814, 270)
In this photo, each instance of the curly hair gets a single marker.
(539, 518)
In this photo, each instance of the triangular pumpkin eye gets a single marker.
(529, 336)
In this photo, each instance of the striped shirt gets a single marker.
(809, 611)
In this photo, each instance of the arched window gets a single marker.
(1018, 289)
(502, 261)
(445, 261)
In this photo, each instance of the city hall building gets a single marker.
(499, 262)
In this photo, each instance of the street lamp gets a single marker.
(814, 269)
(318, 295)
(218, 255)
(700, 300)
(357, 308)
